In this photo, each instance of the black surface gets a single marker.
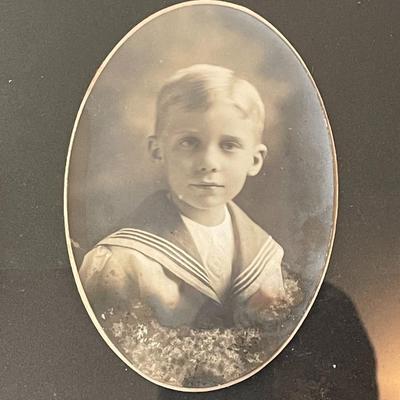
(50, 51)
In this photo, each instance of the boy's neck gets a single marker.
(209, 217)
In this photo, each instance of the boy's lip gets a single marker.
(205, 185)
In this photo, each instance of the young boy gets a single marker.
(190, 253)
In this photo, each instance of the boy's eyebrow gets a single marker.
(232, 138)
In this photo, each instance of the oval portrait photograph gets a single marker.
(200, 196)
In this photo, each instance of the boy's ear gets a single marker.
(260, 152)
(154, 148)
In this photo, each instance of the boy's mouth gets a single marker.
(206, 185)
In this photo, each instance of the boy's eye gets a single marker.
(230, 146)
(188, 142)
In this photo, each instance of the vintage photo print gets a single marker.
(200, 195)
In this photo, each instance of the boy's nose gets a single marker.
(205, 169)
(208, 161)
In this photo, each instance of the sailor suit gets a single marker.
(155, 259)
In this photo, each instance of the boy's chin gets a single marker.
(207, 203)
(203, 202)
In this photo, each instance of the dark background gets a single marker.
(49, 348)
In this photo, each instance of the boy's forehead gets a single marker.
(218, 115)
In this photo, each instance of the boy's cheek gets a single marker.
(177, 160)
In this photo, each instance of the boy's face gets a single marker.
(207, 155)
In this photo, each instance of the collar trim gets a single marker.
(250, 274)
(165, 246)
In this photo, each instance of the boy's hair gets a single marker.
(197, 87)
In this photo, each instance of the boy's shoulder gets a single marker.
(242, 219)
(250, 236)
(154, 214)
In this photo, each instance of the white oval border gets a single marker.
(66, 223)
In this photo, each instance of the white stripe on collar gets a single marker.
(166, 246)
(250, 274)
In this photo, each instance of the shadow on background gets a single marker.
(329, 358)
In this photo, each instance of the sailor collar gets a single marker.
(158, 231)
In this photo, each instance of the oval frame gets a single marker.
(66, 181)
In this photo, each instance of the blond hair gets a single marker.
(197, 87)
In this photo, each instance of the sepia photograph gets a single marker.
(200, 195)
(199, 200)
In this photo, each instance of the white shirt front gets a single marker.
(216, 246)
